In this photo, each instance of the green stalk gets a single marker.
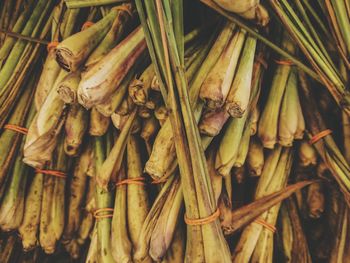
(89, 3)
(103, 200)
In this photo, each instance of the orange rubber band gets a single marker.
(158, 181)
(86, 25)
(202, 221)
(16, 128)
(284, 62)
(319, 136)
(102, 210)
(124, 8)
(52, 172)
(52, 45)
(138, 181)
(268, 226)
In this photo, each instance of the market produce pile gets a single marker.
(174, 131)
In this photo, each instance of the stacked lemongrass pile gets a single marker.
(160, 146)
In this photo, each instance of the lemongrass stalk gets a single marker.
(108, 107)
(176, 252)
(119, 120)
(164, 230)
(92, 254)
(215, 177)
(238, 97)
(103, 200)
(16, 52)
(77, 193)
(42, 135)
(267, 128)
(72, 52)
(11, 140)
(98, 123)
(288, 116)
(121, 245)
(243, 146)
(50, 72)
(161, 113)
(70, 17)
(87, 3)
(217, 84)
(307, 154)
(255, 157)
(229, 145)
(315, 200)
(299, 133)
(52, 216)
(212, 122)
(254, 119)
(139, 88)
(112, 163)
(12, 204)
(103, 79)
(113, 36)
(32, 210)
(75, 127)
(68, 86)
(137, 199)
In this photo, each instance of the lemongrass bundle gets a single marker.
(10, 140)
(305, 35)
(256, 242)
(52, 217)
(12, 203)
(98, 123)
(326, 147)
(239, 95)
(268, 122)
(217, 84)
(251, 10)
(229, 145)
(255, 157)
(72, 52)
(103, 79)
(163, 153)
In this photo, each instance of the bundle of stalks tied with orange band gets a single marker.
(138, 132)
